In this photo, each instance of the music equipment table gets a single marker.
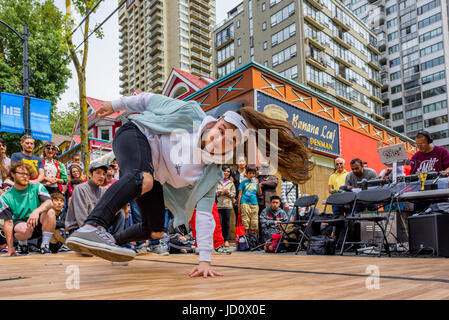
(424, 195)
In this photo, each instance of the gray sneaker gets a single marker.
(222, 250)
(159, 249)
(142, 249)
(100, 243)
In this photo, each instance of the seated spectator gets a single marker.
(358, 173)
(289, 193)
(27, 143)
(181, 238)
(28, 206)
(86, 196)
(75, 172)
(54, 171)
(76, 160)
(271, 217)
(59, 235)
(110, 176)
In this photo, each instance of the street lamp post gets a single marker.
(26, 78)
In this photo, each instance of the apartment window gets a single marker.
(239, 42)
(434, 92)
(428, 6)
(265, 63)
(282, 14)
(284, 55)
(392, 22)
(274, 2)
(435, 106)
(411, 84)
(433, 77)
(238, 24)
(432, 63)
(414, 126)
(105, 133)
(408, 30)
(240, 60)
(431, 34)
(265, 45)
(396, 102)
(428, 21)
(430, 49)
(183, 15)
(399, 129)
(392, 36)
(224, 35)
(283, 35)
(396, 89)
(225, 52)
(264, 26)
(393, 49)
(435, 121)
(412, 98)
(397, 116)
(395, 75)
(264, 6)
(392, 9)
(184, 66)
(395, 62)
(226, 69)
(440, 135)
(290, 73)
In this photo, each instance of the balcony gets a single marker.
(343, 62)
(317, 4)
(341, 42)
(376, 99)
(314, 42)
(157, 58)
(314, 22)
(156, 49)
(316, 85)
(375, 82)
(346, 99)
(342, 78)
(373, 48)
(374, 65)
(338, 19)
(319, 65)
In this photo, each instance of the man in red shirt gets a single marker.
(429, 157)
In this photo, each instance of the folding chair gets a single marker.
(301, 202)
(344, 200)
(378, 198)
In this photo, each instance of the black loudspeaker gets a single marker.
(429, 231)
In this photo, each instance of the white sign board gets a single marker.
(394, 153)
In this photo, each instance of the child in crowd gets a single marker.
(60, 234)
(248, 205)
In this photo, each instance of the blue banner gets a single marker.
(324, 135)
(40, 119)
(12, 113)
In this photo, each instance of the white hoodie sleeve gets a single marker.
(205, 226)
(136, 103)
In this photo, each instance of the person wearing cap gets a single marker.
(27, 143)
(429, 157)
(170, 155)
(54, 171)
(86, 196)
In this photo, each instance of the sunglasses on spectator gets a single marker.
(50, 148)
(339, 164)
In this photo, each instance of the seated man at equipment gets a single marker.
(271, 217)
(86, 196)
(429, 157)
(358, 173)
(27, 205)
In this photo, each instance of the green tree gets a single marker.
(64, 120)
(48, 58)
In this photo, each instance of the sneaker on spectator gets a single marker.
(64, 249)
(45, 249)
(142, 249)
(22, 250)
(159, 249)
(54, 247)
(222, 250)
(100, 243)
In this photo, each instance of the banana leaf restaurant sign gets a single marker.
(323, 135)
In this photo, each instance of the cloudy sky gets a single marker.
(103, 60)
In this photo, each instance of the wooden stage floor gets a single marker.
(157, 277)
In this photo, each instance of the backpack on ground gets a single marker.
(321, 245)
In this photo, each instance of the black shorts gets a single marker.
(37, 232)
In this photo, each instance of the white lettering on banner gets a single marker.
(11, 111)
(38, 115)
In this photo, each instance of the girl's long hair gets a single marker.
(70, 177)
(293, 156)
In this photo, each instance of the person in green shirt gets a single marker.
(27, 205)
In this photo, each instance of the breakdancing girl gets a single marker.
(162, 169)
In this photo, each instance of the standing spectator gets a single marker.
(116, 169)
(289, 193)
(54, 172)
(267, 185)
(359, 173)
(271, 217)
(110, 176)
(225, 194)
(248, 205)
(5, 162)
(76, 160)
(27, 143)
(238, 176)
(27, 205)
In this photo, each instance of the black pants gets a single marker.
(133, 155)
(225, 218)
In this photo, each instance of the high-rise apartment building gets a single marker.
(158, 35)
(413, 37)
(319, 43)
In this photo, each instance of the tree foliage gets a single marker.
(64, 120)
(48, 59)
